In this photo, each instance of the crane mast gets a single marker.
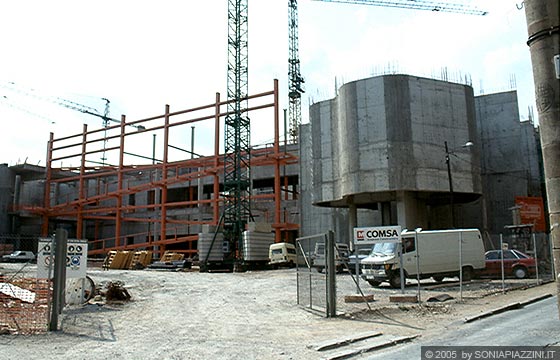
(237, 209)
(295, 79)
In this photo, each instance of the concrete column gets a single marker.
(17, 192)
(543, 27)
(352, 223)
(386, 213)
(406, 207)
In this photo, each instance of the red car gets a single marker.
(516, 264)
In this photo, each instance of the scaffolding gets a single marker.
(159, 200)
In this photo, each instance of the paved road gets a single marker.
(536, 324)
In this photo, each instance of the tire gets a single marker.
(520, 272)
(89, 291)
(467, 273)
(395, 281)
(374, 283)
(438, 278)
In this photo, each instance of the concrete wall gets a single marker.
(511, 161)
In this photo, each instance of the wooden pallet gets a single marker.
(140, 259)
(169, 256)
(117, 260)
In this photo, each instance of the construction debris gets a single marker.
(110, 292)
(116, 291)
(17, 292)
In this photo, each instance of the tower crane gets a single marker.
(72, 105)
(295, 78)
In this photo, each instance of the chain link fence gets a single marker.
(24, 299)
(535, 245)
(311, 284)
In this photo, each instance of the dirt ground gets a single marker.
(251, 315)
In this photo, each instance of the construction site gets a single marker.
(389, 149)
(188, 190)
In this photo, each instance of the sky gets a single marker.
(142, 55)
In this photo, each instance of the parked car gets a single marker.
(516, 264)
(362, 254)
(19, 256)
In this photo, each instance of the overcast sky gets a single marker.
(142, 55)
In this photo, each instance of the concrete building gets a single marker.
(511, 164)
(375, 155)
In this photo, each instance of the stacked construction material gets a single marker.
(210, 245)
(171, 260)
(127, 259)
(256, 241)
(117, 260)
(170, 256)
(140, 259)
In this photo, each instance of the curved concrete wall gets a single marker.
(386, 134)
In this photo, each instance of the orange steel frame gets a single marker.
(95, 208)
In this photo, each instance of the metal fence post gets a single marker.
(61, 238)
(417, 261)
(502, 262)
(552, 270)
(460, 266)
(536, 257)
(331, 272)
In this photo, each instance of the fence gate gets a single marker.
(316, 287)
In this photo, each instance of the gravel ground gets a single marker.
(251, 315)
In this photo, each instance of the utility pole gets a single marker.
(543, 27)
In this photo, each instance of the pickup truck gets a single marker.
(19, 256)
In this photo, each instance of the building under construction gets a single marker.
(373, 155)
(136, 185)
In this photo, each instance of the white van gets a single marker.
(340, 259)
(438, 252)
(282, 254)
